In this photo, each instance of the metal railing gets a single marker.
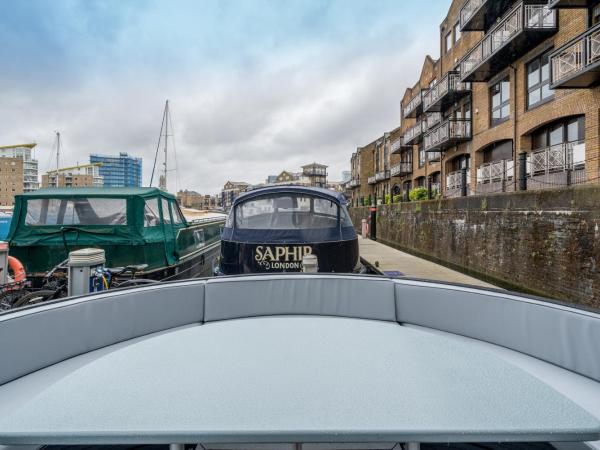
(566, 156)
(354, 183)
(414, 103)
(454, 180)
(451, 129)
(449, 83)
(396, 145)
(537, 17)
(380, 176)
(432, 119)
(413, 133)
(404, 168)
(495, 171)
(372, 180)
(576, 55)
(468, 10)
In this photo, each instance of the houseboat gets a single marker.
(134, 226)
(272, 229)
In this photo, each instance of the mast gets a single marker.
(164, 179)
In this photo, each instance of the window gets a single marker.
(538, 81)
(165, 211)
(457, 32)
(448, 41)
(151, 214)
(177, 214)
(421, 155)
(572, 130)
(76, 211)
(500, 99)
(595, 15)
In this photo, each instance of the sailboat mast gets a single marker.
(166, 142)
(57, 153)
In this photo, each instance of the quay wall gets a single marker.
(543, 242)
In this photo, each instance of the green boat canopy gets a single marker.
(129, 223)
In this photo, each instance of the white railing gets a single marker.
(468, 10)
(495, 171)
(404, 168)
(372, 180)
(448, 84)
(576, 55)
(450, 130)
(380, 176)
(396, 145)
(432, 119)
(536, 17)
(454, 180)
(413, 133)
(414, 103)
(354, 183)
(559, 157)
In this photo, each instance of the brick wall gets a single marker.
(541, 242)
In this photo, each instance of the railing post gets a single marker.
(523, 171)
(429, 188)
(463, 182)
(373, 223)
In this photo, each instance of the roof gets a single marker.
(96, 192)
(32, 145)
(320, 192)
(314, 164)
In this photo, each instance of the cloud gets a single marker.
(255, 86)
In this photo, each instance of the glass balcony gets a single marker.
(449, 134)
(521, 29)
(402, 169)
(414, 107)
(414, 134)
(445, 92)
(577, 63)
(478, 15)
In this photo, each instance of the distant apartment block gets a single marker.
(315, 174)
(119, 171)
(510, 104)
(18, 172)
(195, 200)
(231, 191)
(80, 176)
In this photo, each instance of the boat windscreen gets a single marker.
(287, 212)
(76, 211)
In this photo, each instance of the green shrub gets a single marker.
(397, 198)
(366, 202)
(418, 194)
(388, 199)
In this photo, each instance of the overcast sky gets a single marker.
(255, 86)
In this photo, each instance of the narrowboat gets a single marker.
(135, 226)
(272, 229)
(300, 362)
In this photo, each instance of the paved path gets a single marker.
(392, 260)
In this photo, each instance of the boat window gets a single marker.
(177, 214)
(76, 211)
(287, 212)
(151, 214)
(165, 211)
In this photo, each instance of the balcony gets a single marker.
(518, 31)
(454, 183)
(382, 176)
(445, 93)
(478, 15)
(396, 146)
(354, 183)
(559, 165)
(314, 173)
(372, 180)
(434, 157)
(414, 134)
(496, 176)
(402, 169)
(432, 119)
(571, 3)
(577, 63)
(414, 107)
(449, 134)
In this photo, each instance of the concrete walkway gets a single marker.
(391, 260)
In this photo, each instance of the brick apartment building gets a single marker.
(511, 103)
(195, 200)
(18, 172)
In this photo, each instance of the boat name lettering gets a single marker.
(282, 257)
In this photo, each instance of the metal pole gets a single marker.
(463, 184)
(523, 171)
(374, 223)
(429, 188)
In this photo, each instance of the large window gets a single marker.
(151, 213)
(287, 212)
(76, 211)
(500, 99)
(565, 131)
(457, 32)
(421, 155)
(448, 41)
(538, 81)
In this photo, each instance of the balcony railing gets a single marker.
(372, 180)
(414, 134)
(354, 183)
(561, 157)
(454, 180)
(381, 176)
(396, 145)
(495, 171)
(445, 92)
(517, 32)
(577, 63)
(402, 169)
(448, 134)
(477, 15)
(432, 119)
(414, 107)
(434, 157)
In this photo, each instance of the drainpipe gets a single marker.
(515, 121)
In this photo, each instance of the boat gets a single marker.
(301, 361)
(272, 229)
(134, 226)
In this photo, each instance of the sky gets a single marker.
(255, 86)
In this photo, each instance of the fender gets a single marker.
(17, 269)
